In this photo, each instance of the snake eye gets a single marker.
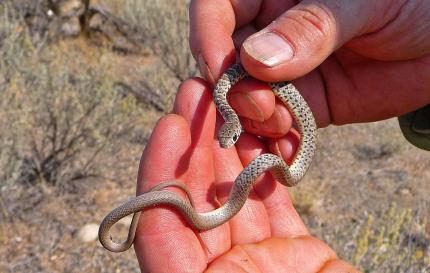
(235, 137)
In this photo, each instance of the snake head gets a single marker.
(229, 134)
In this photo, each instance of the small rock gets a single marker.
(96, 22)
(71, 8)
(71, 27)
(126, 221)
(404, 191)
(88, 233)
(50, 13)
(117, 33)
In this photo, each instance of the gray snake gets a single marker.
(228, 135)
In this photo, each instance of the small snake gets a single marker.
(228, 135)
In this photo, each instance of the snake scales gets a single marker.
(228, 135)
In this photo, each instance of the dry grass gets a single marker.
(65, 131)
(60, 114)
(165, 26)
(162, 27)
(366, 194)
(392, 242)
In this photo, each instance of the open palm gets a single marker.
(267, 235)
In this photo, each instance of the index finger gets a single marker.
(212, 24)
(211, 39)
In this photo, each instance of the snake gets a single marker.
(228, 135)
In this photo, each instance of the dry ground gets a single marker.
(366, 195)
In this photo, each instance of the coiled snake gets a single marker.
(228, 135)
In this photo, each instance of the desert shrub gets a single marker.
(13, 49)
(165, 27)
(56, 120)
(392, 241)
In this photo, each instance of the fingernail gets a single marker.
(204, 69)
(268, 48)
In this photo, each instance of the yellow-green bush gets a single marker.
(391, 242)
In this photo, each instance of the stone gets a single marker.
(404, 191)
(88, 233)
(126, 221)
(106, 29)
(71, 27)
(70, 8)
(96, 22)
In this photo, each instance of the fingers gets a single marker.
(364, 90)
(400, 38)
(164, 152)
(213, 24)
(252, 99)
(159, 230)
(302, 38)
(251, 223)
(210, 37)
(262, 113)
(286, 146)
(283, 218)
(256, 102)
(277, 125)
(300, 254)
(245, 10)
(272, 9)
(194, 103)
(338, 266)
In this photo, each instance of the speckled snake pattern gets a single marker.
(228, 135)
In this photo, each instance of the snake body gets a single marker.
(228, 135)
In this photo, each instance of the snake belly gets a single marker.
(228, 135)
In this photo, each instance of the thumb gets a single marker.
(305, 35)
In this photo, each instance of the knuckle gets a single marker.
(317, 20)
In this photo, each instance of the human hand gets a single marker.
(353, 61)
(267, 235)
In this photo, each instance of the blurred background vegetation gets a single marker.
(82, 84)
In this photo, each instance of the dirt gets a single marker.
(364, 177)
(359, 170)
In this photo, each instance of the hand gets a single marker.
(354, 61)
(267, 235)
